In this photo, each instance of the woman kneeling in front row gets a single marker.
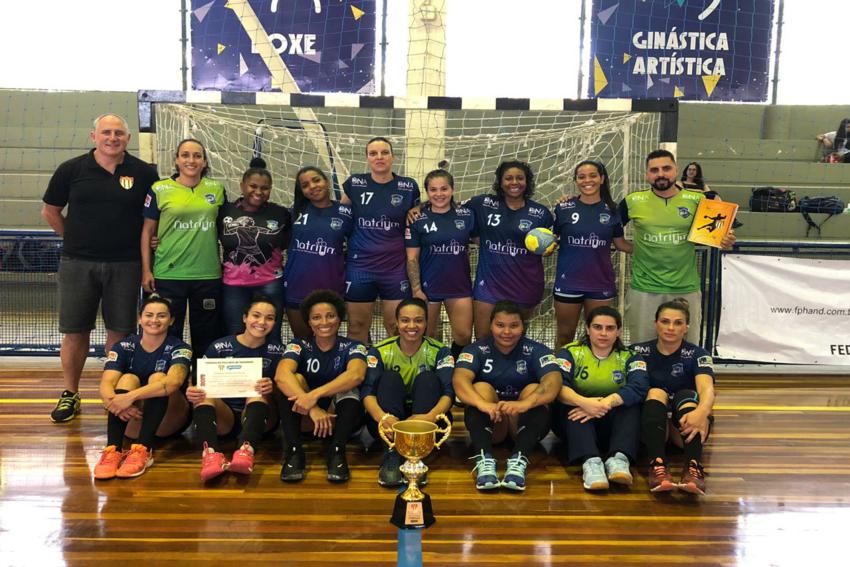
(505, 380)
(680, 399)
(141, 390)
(599, 405)
(247, 417)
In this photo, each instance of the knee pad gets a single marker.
(352, 394)
(681, 398)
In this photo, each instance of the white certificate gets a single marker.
(229, 377)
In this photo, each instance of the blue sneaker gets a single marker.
(617, 469)
(485, 469)
(515, 473)
(593, 474)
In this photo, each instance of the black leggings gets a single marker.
(391, 395)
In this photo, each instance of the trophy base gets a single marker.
(412, 515)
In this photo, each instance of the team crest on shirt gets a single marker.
(159, 366)
(521, 367)
(404, 286)
(126, 182)
(525, 225)
(459, 224)
(337, 362)
(396, 200)
(678, 369)
(618, 376)
(336, 223)
(465, 357)
(293, 348)
(210, 198)
(272, 224)
(604, 218)
(372, 361)
(684, 212)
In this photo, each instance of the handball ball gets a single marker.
(541, 241)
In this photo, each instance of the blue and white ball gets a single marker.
(540, 241)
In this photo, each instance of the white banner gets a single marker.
(778, 309)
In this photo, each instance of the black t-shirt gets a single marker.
(104, 217)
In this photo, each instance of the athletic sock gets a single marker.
(115, 428)
(290, 425)
(348, 415)
(154, 412)
(532, 427)
(692, 450)
(205, 426)
(480, 429)
(255, 423)
(654, 429)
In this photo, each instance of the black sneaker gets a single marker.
(66, 408)
(389, 475)
(293, 466)
(337, 465)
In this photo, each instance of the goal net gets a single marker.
(471, 141)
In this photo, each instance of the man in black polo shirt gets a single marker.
(104, 191)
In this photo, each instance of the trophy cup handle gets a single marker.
(446, 431)
(383, 435)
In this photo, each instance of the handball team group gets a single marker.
(239, 267)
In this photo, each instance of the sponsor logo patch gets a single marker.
(181, 353)
(294, 348)
(372, 361)
(112, 356)
(637, 365)
(565, 365)
(465, 357)
(359, 349)
(706, 361)
(446, 362)
(547, 359)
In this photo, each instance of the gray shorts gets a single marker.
(640, 314)
(84, 284)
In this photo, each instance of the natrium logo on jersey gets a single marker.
(521, 367)
(396, 200)
(525, 225)
(359, 181)
(272, 224)
(684, 212)
(618, 376)
(536, 212)
(604, 218)
(126, 182)
(336, 223)
(678, 369)
(210, 198)
(459, 224)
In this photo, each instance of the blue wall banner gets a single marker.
(251, 45)
(713, 50)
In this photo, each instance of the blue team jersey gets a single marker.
(320, 367)
(677, 371)
(377, 242)
(509, 373)
(584, 257)
(506, 269)
(128, 357)
(443, 242)
(315, 258)
(230, 347)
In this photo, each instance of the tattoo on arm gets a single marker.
(413, 273)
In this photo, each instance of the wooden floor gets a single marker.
(778, 491)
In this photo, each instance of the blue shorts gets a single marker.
(364, 287)
(577, 296)
(485, 296)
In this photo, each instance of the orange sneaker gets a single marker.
(242, 461)
(212, 464)
(107, 465)
(660, 479)
(693, 479)
(137, 462)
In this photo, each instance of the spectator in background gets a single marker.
(836, 145)
(104, 191)
(692, 179)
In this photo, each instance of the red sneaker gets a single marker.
(693, 479)
(107, 465)
(212, 464)
(137, 462)
(242, 461)
(660, 479)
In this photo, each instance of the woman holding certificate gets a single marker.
(216, 413)
(319, 377)
(146, 369)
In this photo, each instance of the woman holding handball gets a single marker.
(438, 258)
(586, 226)
(506, 268)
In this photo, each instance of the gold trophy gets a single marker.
(414, 440)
